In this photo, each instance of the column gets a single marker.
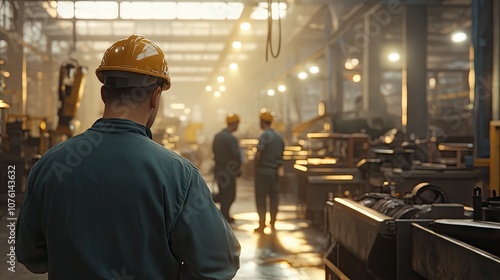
(372, 98)
(482, 42)
(414, 76)
(335, 80)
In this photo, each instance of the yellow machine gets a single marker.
(71, 84)
(28, 136)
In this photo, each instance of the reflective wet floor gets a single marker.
(293, 251)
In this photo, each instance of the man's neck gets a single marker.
(124, 115)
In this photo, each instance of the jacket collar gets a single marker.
(115, 125)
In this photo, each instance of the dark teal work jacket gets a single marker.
(110, 203)
(227, 154)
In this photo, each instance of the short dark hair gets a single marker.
(129, 87)
(129, 95)
(266, 122)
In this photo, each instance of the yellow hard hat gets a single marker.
(134, 54)
(266, 116)
(232, 118)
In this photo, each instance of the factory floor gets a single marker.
(294, 251)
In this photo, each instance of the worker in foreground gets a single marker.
(227, 158)
(268, 159)
(111, 203)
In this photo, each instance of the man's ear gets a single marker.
(102, 95)
(155, 98)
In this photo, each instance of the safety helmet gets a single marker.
(134, 54)
(266, 116)
(232, 118)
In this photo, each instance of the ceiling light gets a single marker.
(180, 10)
(233, 66)
(237, 44)
(270, 92)
(432, 83)
(282, 88)
(217, 94)
(313, 69)
(394, 56)
(458, 37)
(245, 26)
(208, 88)
(351, 63)
(356, 78)
(95, 10)
(302, 75)
(220, 79)
(222, 88)
(6, 74)
(348, 65)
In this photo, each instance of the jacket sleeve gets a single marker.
(201, 238)
(236, 155)
(31, 247)
(235, 150)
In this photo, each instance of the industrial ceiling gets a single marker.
(198, 37)
(204, 40)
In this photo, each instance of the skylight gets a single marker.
(260, 12)
(150, 10)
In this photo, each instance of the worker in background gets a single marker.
(267, 161)
(227, 157)
(111, 203)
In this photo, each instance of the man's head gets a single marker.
(133, 72)
(266, 118)
(232, 121)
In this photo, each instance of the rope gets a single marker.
(269, 44)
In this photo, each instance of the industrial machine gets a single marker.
(426, 221)
(25, 137)
(379, 236)
(398, 169)
(71, 85)
(330, 169)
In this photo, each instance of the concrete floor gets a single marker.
(294, 251)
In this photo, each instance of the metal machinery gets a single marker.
(248, 148)
(396, 209)
(326, 161)
(330, 169)
(405, 167)
(442, 228)
(382, 237)
(26, 137)
(343, 165)
(71, 84)
(291, 154)
(420, 223)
